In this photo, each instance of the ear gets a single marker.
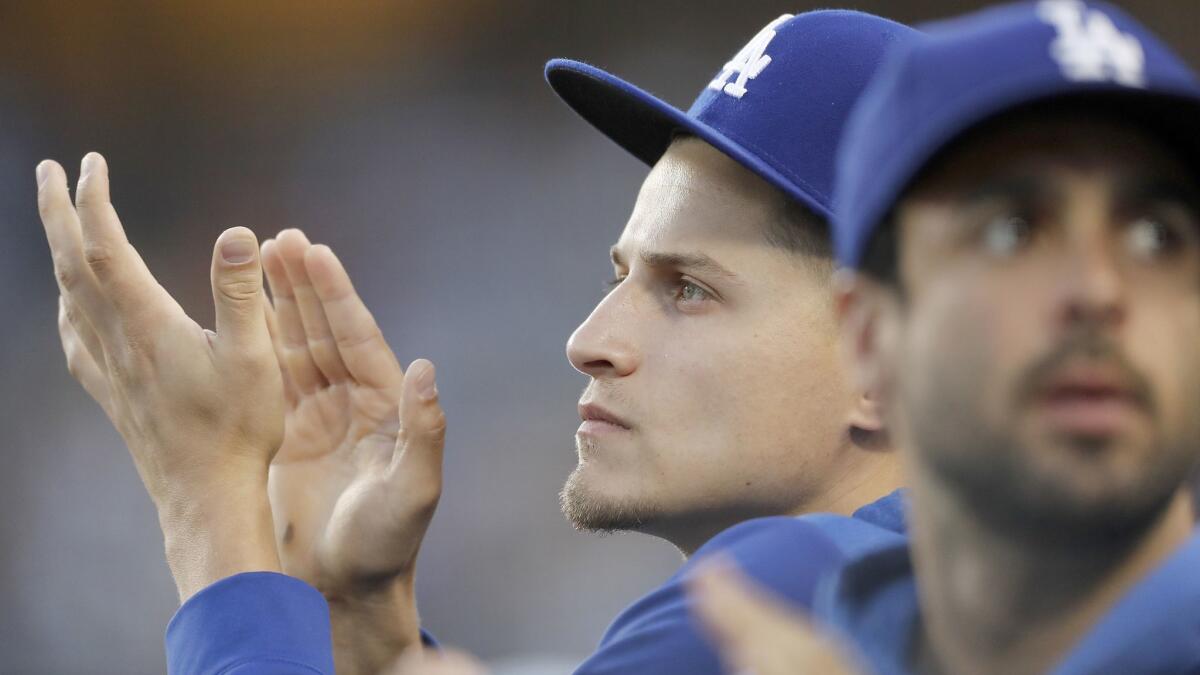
(860, 303)
(866, 414)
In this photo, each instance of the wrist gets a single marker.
(217, 530)
(373, 625)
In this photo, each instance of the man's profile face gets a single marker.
(1044, 344)
(716, 355)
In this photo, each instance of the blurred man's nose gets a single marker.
(1092, 281)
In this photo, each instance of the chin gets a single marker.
(592, 509)
(1078, 494)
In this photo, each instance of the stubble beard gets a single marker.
(590, 511)
(995, 475)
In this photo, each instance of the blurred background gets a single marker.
(473, 210)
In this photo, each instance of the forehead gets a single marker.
(695, 196)
(1046, 143)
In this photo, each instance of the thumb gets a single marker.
(418, 459)
(238, 290)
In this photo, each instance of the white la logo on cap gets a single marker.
(748, 62)
(1089, 48)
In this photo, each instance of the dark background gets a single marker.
(473, 210)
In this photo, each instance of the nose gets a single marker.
(1093, 286)
(602, 346)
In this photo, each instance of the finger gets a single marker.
(61, 224)
(80, 362)
(417, 465)
(238, 297)
(300, 365)
(289, 388)
(293, 246)
(119, 271)
(359, 341)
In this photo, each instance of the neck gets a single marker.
(867, 475)
(991, 604)
(863, 477)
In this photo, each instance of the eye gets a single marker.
(688, 292)
(1149, 238)
(1005, 235)
(611, 284)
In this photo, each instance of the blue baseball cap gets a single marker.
(778, 107)
(966, 71)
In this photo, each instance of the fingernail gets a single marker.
(427, 383)
(42, 172)
(89, 162)
(237, 251)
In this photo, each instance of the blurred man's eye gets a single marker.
(1148, 238)
(1155, 237)
(1004, 235)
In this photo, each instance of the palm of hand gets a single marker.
(337, 442)
(351, 500)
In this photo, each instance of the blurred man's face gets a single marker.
(713, 357)
(1042, 356)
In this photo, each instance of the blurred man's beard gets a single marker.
(1004, 484)
(589, 511)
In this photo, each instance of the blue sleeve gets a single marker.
(259, 623)
(657, 634)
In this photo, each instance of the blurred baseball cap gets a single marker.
(970, 70)
(777, 107)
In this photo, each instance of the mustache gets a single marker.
(1093, 348)
(604, 390)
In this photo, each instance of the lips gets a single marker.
(591, 412)
(1090, 382)
(1091, 400)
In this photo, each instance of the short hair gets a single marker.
(799, 229)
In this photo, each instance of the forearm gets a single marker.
(371, 629)
(211, 534)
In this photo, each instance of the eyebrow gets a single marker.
(1164, 188)
(698, 262)
(1129, 189)
(1018, 186)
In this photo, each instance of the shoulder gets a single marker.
(657, 632)
(812, 538)
(762, 547)
(785, 554)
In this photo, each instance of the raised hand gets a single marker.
(360, 471)
(202, 412)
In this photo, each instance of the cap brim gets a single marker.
(645, 125)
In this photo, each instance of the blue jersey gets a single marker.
(262, 622)
(1154, 629)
